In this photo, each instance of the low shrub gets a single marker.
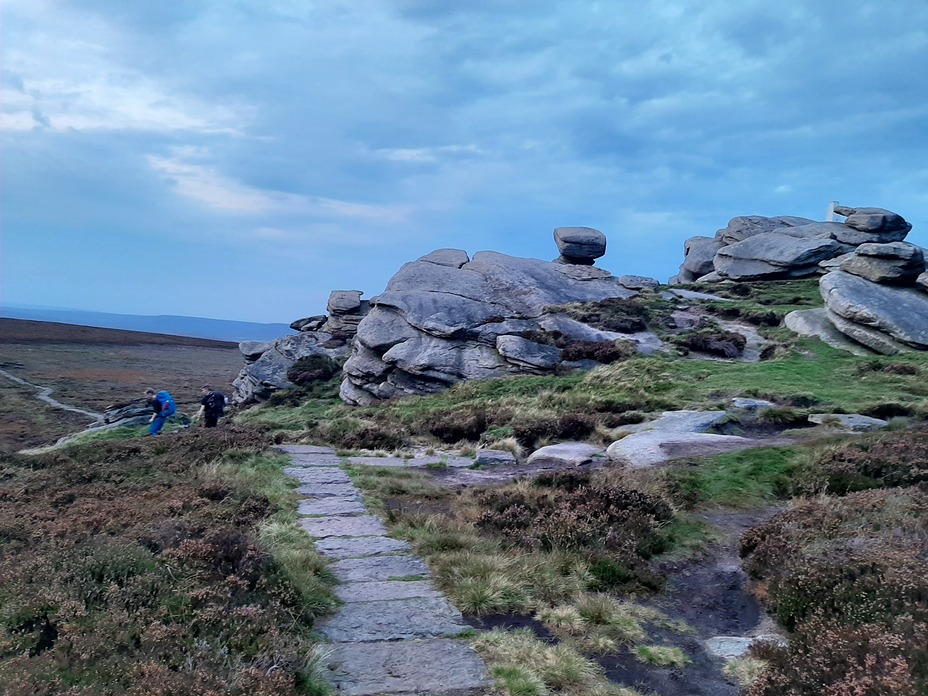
(725, 344)
(605, 352)
(459, 424)
(849, 577)
(621, 520)
(312, 369)
(898, 458)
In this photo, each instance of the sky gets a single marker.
(240, 159)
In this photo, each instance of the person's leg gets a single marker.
(210, 421)
(156, 425)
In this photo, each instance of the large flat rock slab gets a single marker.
(653, 447)
(379, 568)
(401, 619)
(567, 454)
(322, 527)
(439, 667)
(383, 591)
(321, 507)
(815, 322)
(359, 547)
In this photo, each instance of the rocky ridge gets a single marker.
(873, 283)
(449, 317)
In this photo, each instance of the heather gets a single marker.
(156, 567)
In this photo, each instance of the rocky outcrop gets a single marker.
(440, 321)
(894, 263)
(753, 247)
(886, 318)
(266, 372)
(774, 255)
(268, 362)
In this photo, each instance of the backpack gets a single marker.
(216, 403)
(168, 407)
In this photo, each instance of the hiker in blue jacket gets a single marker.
(163, 406)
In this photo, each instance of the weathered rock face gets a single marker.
(700, 252)
(267, 363)
(895, 263)
(883, 317)
(438, 322)
(753, 247)
(773, 255)
(744, 226)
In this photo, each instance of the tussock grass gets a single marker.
(661, 655)
(387, 482)
(744, 670)
(557, 667)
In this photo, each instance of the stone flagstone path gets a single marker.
(394, 632)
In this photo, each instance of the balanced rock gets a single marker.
(580, 245)
(344, 301)
(770, 255)
(896, 263)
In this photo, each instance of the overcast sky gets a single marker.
(240, 159)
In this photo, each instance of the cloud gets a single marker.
(426, 155)
(211, 188)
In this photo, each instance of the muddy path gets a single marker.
(709, 593)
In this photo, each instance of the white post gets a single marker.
(830, 217)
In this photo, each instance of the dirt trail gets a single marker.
(709, 593)
(45, 395)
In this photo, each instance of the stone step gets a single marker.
(317, 507)
(439, 667)
(322, 527)
(359, 547)
(319, 475)
(383, 591)
(398, 619)
(310, 450)
(379, 568)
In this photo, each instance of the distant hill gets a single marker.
(197, 327)
(24, 331)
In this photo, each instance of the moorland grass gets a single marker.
(168, 566)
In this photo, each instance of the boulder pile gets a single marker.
(268, 362)
(446, 318)
(877, 297)
(754, 247)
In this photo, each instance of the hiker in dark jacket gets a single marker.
(163, 406)
(212, 405)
